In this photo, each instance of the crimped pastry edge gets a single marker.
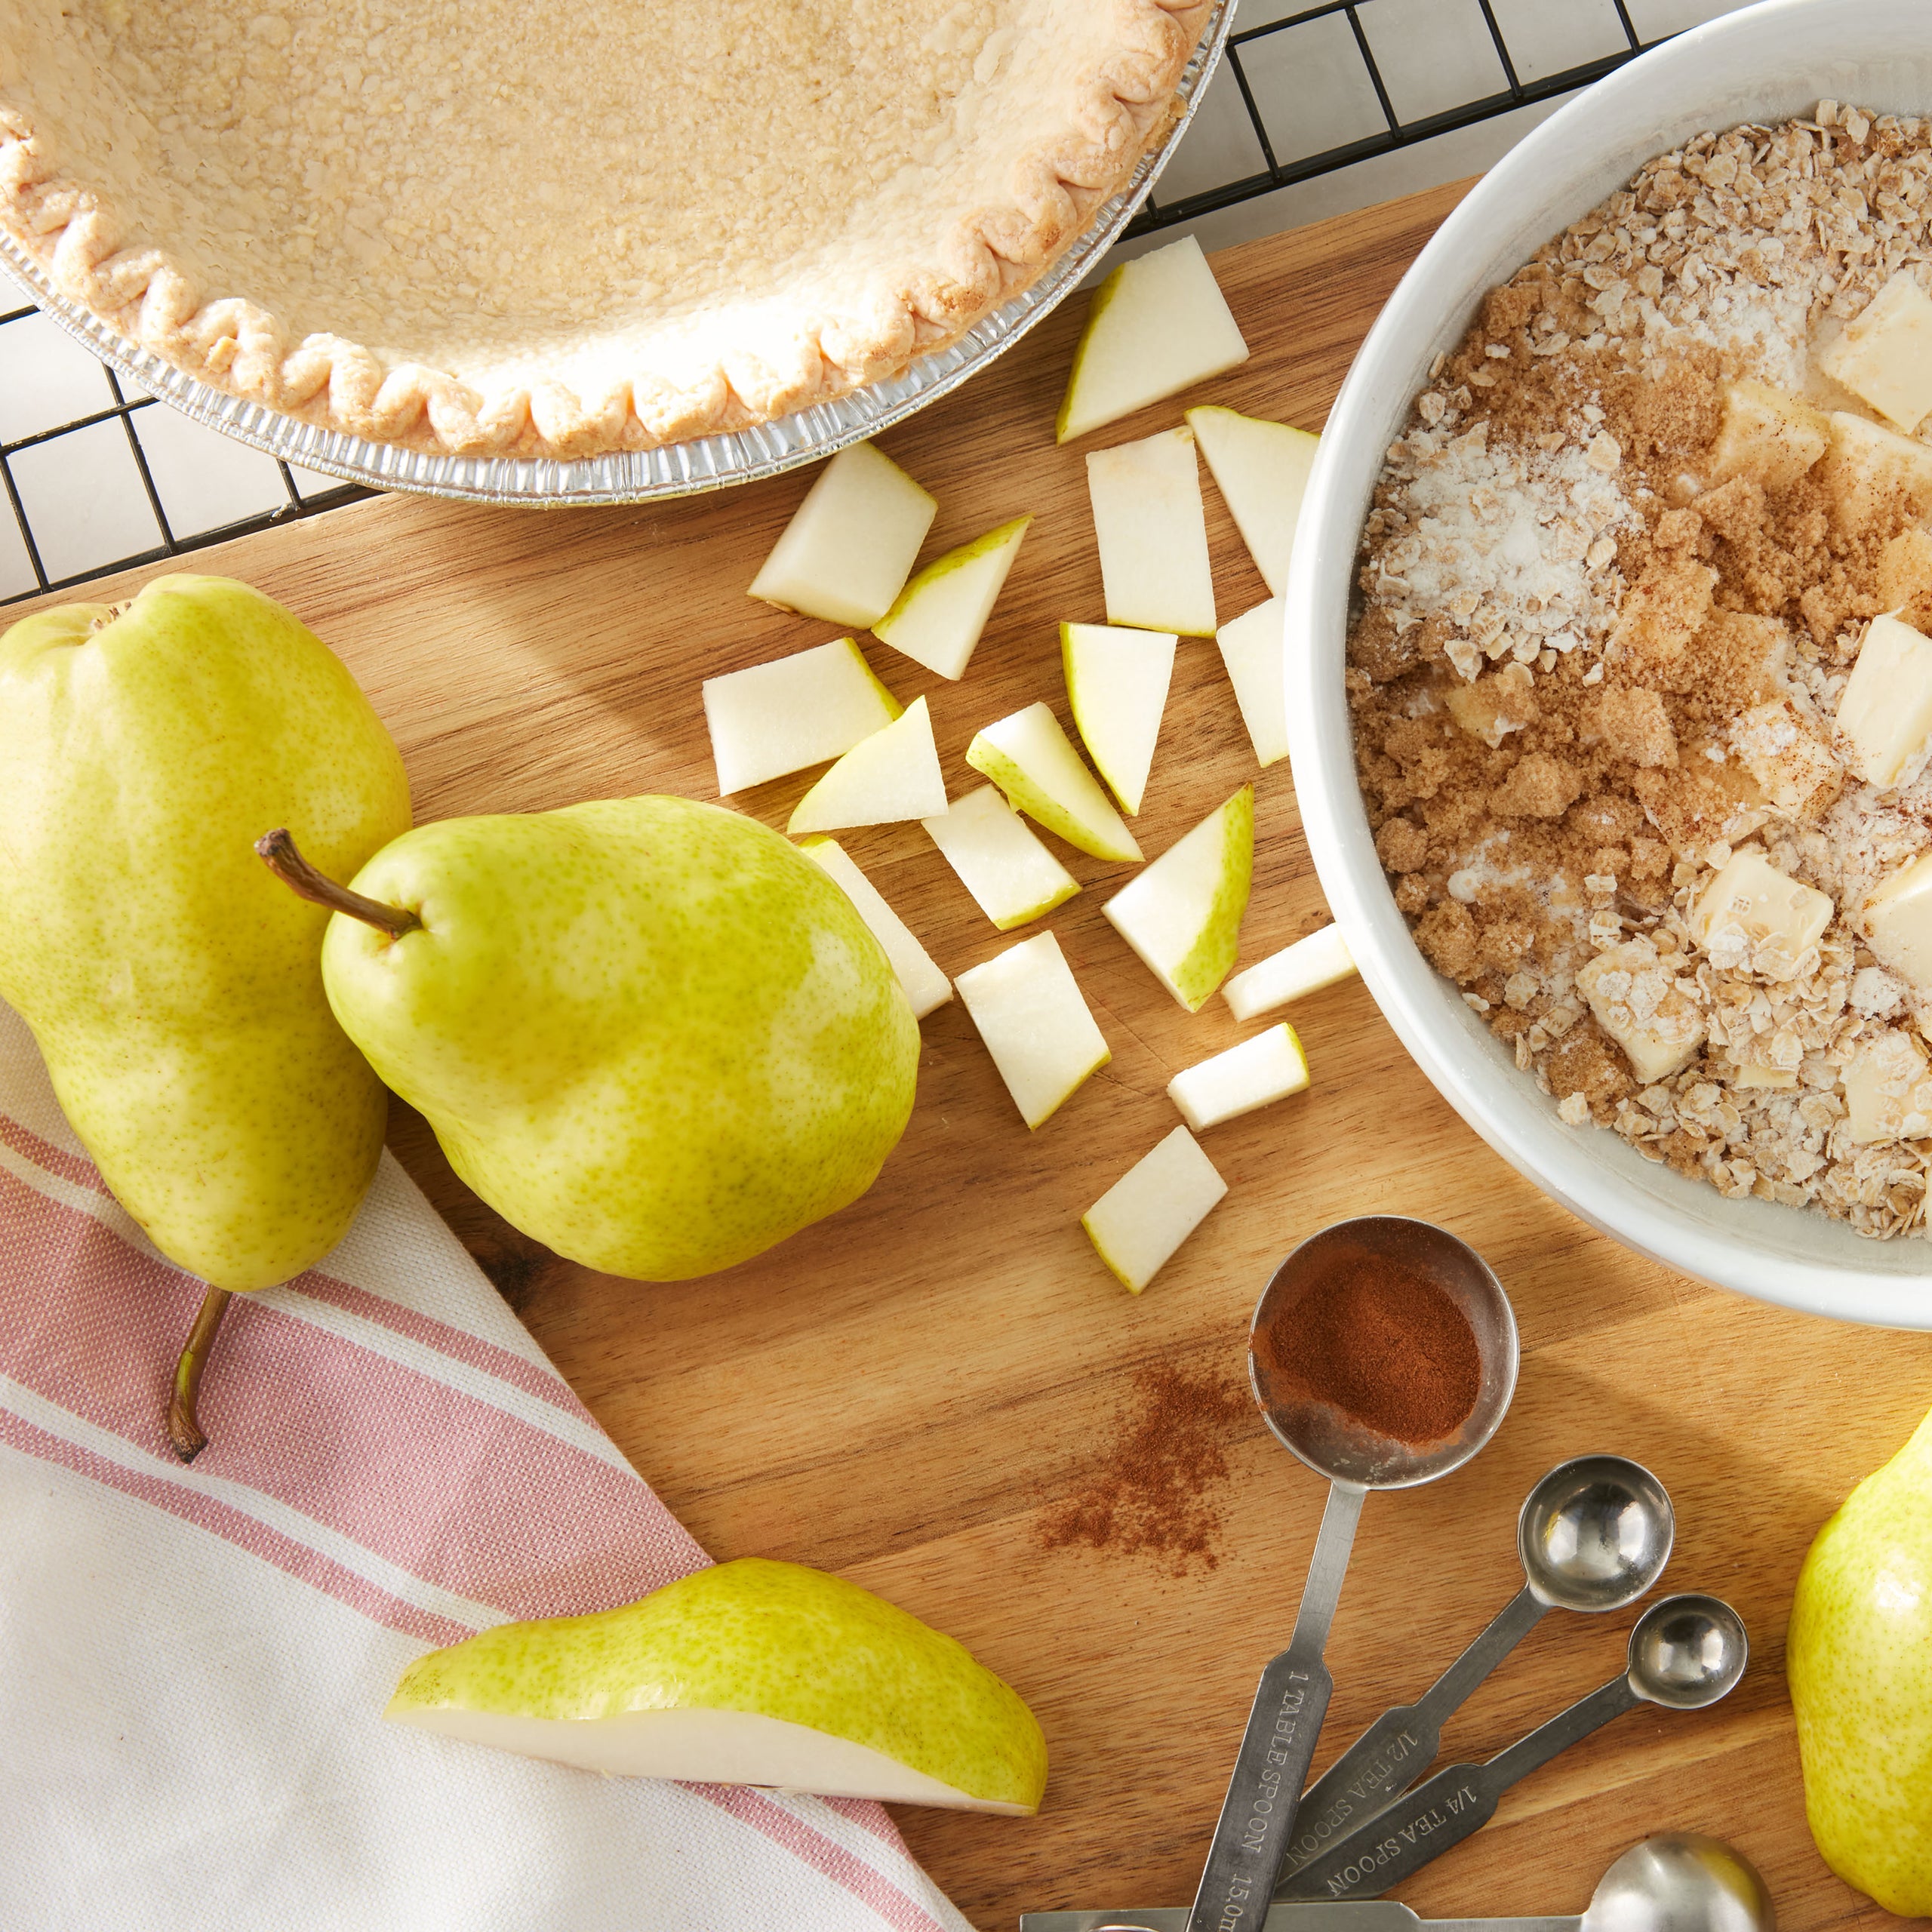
(234, 345)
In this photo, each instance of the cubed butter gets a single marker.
(1884, 356)
(1755, 1073)
(1886, 710)
(1640, 1006)
(1887, 1091)
(1898, 922)
(1766, 436)
(1874, 475)
(1751, 915)
(1796, 772)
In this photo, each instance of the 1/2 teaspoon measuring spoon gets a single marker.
(1685, 1653)
(1258, 1814)
(1680, 1883)
(1594, 1535)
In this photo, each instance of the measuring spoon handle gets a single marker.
(1397, 1748)
(1258, 1814)
(1448, 1807)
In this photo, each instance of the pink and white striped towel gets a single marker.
(193, 1661)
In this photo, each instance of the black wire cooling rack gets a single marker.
(1251, 145)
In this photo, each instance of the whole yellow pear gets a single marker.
(174, 986)
(1859, 1659)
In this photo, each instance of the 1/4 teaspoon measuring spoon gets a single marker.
(1258, 1814)
(1681, 1883)
(1685, 1653)
(1594, 1535)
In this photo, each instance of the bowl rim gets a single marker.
(1791, 1257)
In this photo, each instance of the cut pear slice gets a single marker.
(926, 986)
(1254, 648)
(1028, 757)
(1258, 1071)
(749, 1672)
(1029, 1011)
(1261, 470)
(1013, 878)
(894, 774)
(1183, 915)
(939, 615)
(1153, 534)
(1320, 960)
(1137, 1225)
(850, 545)
(1155, 326)
(772, 718)
(1117, 682)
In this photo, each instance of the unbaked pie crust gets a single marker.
(489, 227)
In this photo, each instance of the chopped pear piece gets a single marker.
(1884, 356)
(1768, 436)
(1137, 1225)
(1183, 915)
(1320, 960)
(1117, 682)
(1013, 878)
(749, 1672)
(1637, 1002)
(1153, 534)
(1028, 757)
(849, 547)
(1254, 648)
(894, 774)
(1885, 709)
(1029, 1011)
(1752, 915)
(1874, 475)
(1258, 1071)
(939, 615)
(926, 986)
(1156, 326)
(772, 718)
(1898, 921)
(1261, 470)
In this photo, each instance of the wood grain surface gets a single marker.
(901, 1393)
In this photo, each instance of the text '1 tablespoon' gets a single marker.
(1258, 1814)
(1594, 1535)
(1679, 1883)
(1685, 1653)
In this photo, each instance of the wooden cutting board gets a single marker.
(901, 1393)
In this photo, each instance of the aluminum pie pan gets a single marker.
(631, 476)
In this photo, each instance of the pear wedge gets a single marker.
(1153, 534)
(1013, 878)
(926, 986)
(1261, 470)
(1030, 1012)
(940, 613)
(1117, 683)
(1139, 1223)
(1183, 915)
(892, 775)
(750, 1673)
(1320, 960)
(770, 719)
(1156, 325)
(1254, 649)
(1257, 1072)
(850, 545)
(1028, 757)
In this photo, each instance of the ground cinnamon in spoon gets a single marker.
(1377, 1339)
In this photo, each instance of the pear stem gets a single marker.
(279, 855)
(184, 1428)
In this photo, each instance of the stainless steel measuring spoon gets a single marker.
(1685, 1653)
(1258, 1816)
(1681, 1883)
(1594, 1535)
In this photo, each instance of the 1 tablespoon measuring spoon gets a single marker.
(1258, 1816)
(1594, 1535)
(1682, 1882)
(1685, 1653)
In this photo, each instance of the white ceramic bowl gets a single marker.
(1767, 63)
